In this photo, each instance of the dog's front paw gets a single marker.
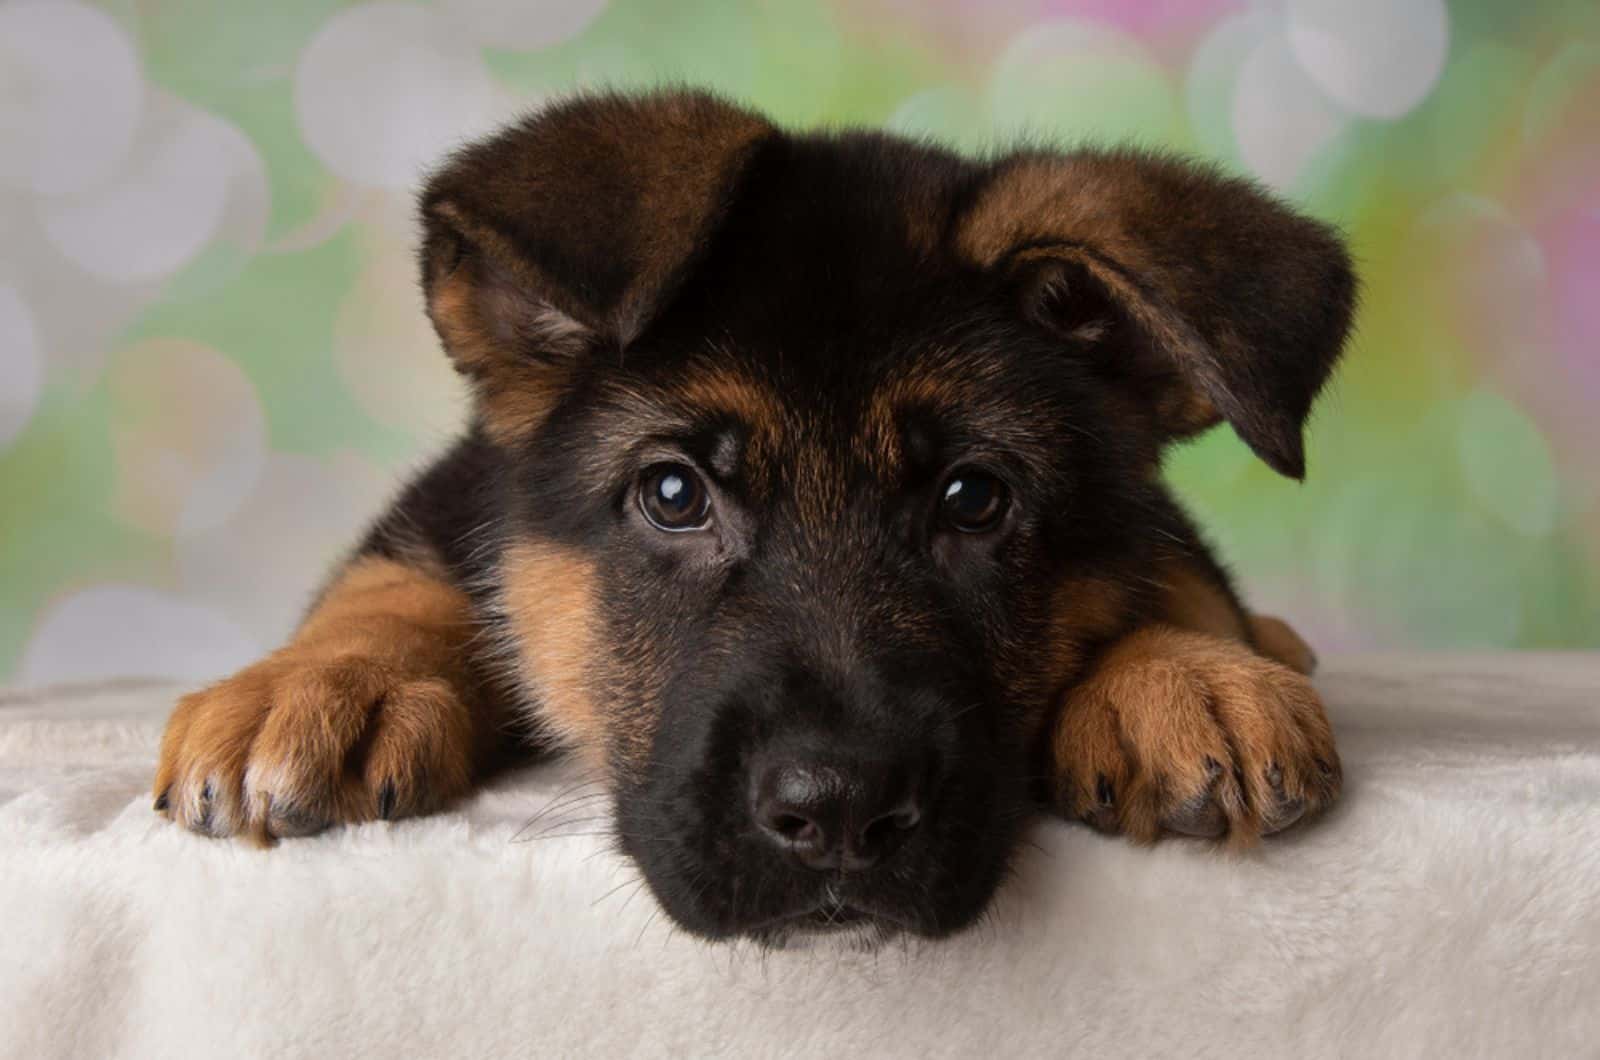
(1193, 734)
(298, 742)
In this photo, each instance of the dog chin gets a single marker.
(837, 928)
(832, 922)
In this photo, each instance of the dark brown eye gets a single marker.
(973, 501)
(673, 498)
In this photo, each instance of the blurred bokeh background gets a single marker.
(214, 365)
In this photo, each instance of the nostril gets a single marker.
(883, 833)
(906, 818)
(878, 834)
(829, 817)
(794, 828)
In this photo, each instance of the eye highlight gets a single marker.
(973, 501)
(673, 498)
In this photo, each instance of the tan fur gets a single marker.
(949, 384)
(662, 161)
(1193, 601)
(880, 439)
(710, 387)
(367, 703)
(1168, 719)
(516, 390)
(549, 599)
(1052, 195)
(1276, 639)
(566, 236)
(819, 489)
(1176, 248)
(692, 150)
(1087, 612)
(505, 311)
(1190, 600)
(1180, 410)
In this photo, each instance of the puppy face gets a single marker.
(817, 601)
(830, 461)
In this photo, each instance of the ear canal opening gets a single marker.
(1148, 348)
(484, 302)
(1063, 297)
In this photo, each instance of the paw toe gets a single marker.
(200, 812)
(1101, 814)
(1281, 808)
(1285, 813)
(286, 820)
(386, 800)
(1199, 816)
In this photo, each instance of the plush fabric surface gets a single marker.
(1450, 906)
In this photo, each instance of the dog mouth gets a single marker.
(720, 872)
(831, 916)
(849, 926)
(827, 919)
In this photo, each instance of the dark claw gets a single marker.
(1288, 812)
(1200, 815)
(202, 824)
(386, 800)
(161, 802)
(287, 821)
(1103, 817)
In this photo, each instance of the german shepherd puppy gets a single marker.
(811, 493)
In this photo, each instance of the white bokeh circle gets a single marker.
(1212, 78)
(262, 565)
(1492, 275)
(1081, 80)
(1280, 120)
(122, 631)
(21, 370)
(947, 113)
(191, 180)
(1375, 58)
(387, 353)
(385, 89)
(1507, 464)
(71, 93)
(524, 25)
(188, 436)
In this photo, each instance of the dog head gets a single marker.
(829, 460)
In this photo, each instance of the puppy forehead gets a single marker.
(743, 415)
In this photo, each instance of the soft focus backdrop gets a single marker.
(214, 364)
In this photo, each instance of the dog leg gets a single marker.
(1201, 723)
(369, 712)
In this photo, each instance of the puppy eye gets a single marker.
(973, 501)
(673, 498)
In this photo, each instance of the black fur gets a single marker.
(818, 268)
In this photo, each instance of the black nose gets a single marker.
(833, 817)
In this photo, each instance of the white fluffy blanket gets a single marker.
(1449, 907)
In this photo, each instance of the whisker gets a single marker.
(631, 896)
(651, 920)
(633, 880)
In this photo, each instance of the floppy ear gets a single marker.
(570, 229)
(1223, 302)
